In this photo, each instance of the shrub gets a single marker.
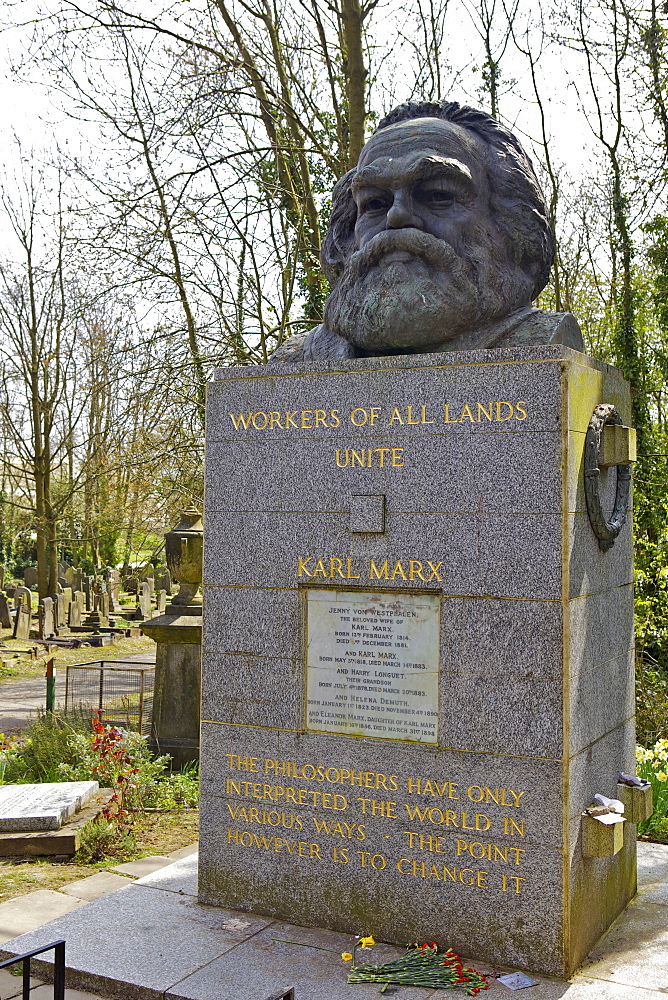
(47, 745)
(652, 764)
(102, 839)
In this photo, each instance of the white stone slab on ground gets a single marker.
(42, 807)
(144, 866)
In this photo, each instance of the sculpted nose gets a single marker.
(402, 214)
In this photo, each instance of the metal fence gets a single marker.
(123, 689)
(58, 968)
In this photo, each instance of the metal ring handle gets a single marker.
(606, 531)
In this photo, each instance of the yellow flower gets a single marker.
(346, 956)
(662, 776)
(366, 942)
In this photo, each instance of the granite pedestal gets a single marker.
(417, 660)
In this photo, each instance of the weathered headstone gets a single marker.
(74, 614)
(130, 584)
(161, 601)
(30, 576)
(70, 576)
(163, 579)
(42, 807)
(22, 621)
(87, 588)
(145, 599)
(22, 596)
(114, 587)
(150, 583)
(104, 605)
(5, 616)
(62, 612)
(78, 580)
(67, 593)
(46, 621)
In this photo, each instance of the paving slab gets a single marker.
(23, 914)
(262, 966)
(184, 852)
(144, 866)
(180, 876)
(95, 886)
(138, 942)
(11, 986)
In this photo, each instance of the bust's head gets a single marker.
(441, 230)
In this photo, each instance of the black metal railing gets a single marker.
(58, 969)
(283, 995)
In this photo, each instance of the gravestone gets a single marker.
(74, 613)
(113, 587)
(22, 621)
(67, 592)
(130, 584)
(62, 612)
(47, 625)
(161, 601)
(22, 596)
(419, 673)
(150, 583)
(5, 616)
(78, 580)
(87, 588)
(145, 599)
(30, 576)
(163, 579)
(70, 576)
(42, 807)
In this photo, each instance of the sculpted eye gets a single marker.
(371, 205)
(439, 198)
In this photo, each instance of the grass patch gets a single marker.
(62, 657)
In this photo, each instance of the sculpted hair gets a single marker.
(516, 200)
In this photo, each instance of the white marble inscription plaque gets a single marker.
(42, 807)
(372, 664)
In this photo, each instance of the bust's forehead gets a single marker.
(425, 134)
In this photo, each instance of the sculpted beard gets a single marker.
(428, 299)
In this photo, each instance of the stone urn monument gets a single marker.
(178, 634)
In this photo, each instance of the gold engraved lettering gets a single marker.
(237, 763)
(378, 807)
(434, 571)
(426, 841)
(336, 564)
(415, 569)
(514, 878)
(488, 413)
(446, 415)
(429, 787)
(359, 456)
(262, 426)
(337, 455)
(290, 419)
(398, 571)
(511, 827)
(375, 573)
(498, 410)
(320, 418)
(340, 854)
(350, 575)
(365, 416)
(396, 415)
(466, 412)
(241, 420)
(319, 568)
(396, 454)
(424, 416)
(306, 415)
(519, 407)
(335, 828)
(374, 413)
(377, 861)
(381, 456)
(275, 419)
(409, 418)
(334, 418)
